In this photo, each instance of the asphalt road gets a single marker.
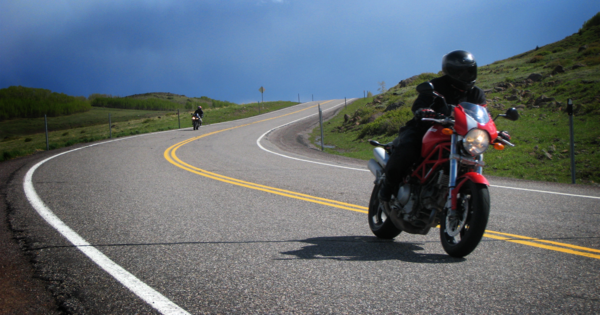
(214, 221)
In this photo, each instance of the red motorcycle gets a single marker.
(447, 187)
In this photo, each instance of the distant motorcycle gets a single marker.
(196, 121)
(447, 187)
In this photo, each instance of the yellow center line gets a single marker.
(522, 241)
(531, 240)
(171, 156)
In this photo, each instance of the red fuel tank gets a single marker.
(432, 137)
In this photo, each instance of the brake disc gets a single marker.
(455, 223)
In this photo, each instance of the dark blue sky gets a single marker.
(227, 50)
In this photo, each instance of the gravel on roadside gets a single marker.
(21, 291)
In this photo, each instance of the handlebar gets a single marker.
(445, 121)
(499, 139)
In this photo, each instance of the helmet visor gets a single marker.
(464, 74)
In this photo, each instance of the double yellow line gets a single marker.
(536, 242)
(171, 156)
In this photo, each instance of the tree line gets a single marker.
(23, 102)
(132, 103)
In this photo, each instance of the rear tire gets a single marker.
(475, 200)
(380, 224)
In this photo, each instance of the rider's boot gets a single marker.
(385, 192)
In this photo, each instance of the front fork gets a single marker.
(454, 161)
(450, 206)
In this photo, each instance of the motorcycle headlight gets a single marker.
(476, 142)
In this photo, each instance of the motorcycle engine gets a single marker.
(405, 201)
(433, 194)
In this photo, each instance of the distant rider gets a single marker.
(199, 112)
(457, 85)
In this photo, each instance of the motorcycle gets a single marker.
(196, 121)
(446, 188)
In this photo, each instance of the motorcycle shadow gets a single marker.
(366, 248)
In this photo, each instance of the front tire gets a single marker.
(460, 234)
(380, 224)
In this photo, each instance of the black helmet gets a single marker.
(461, 67)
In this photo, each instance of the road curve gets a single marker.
(213, 223)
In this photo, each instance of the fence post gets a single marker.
(109, 126)
(570, 111)
(321, 124)
(46, 128)
(178, 119)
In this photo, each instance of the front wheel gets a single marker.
(380, 224)
(462, 231)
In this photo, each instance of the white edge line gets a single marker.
(366, 170)
(142, 290)
(546, 192)
(298, 159)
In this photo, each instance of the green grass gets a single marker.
(22, 137)
(542, 127)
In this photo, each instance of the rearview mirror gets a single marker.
(512, 114)
(425, 87)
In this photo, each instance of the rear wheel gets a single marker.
(462, 231)
(380, 224)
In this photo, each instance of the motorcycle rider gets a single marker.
(199, 112)
(456, 85)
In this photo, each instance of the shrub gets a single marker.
(388, 124)
(592, 60)
(536, 58)
(595, 20)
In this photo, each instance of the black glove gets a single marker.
(504, 135)
(427, 113)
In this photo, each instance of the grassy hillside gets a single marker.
(19, 137)
(537, 82)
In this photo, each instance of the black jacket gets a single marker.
(452, 95)
(200, 112)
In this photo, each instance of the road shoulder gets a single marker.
(22, 291)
